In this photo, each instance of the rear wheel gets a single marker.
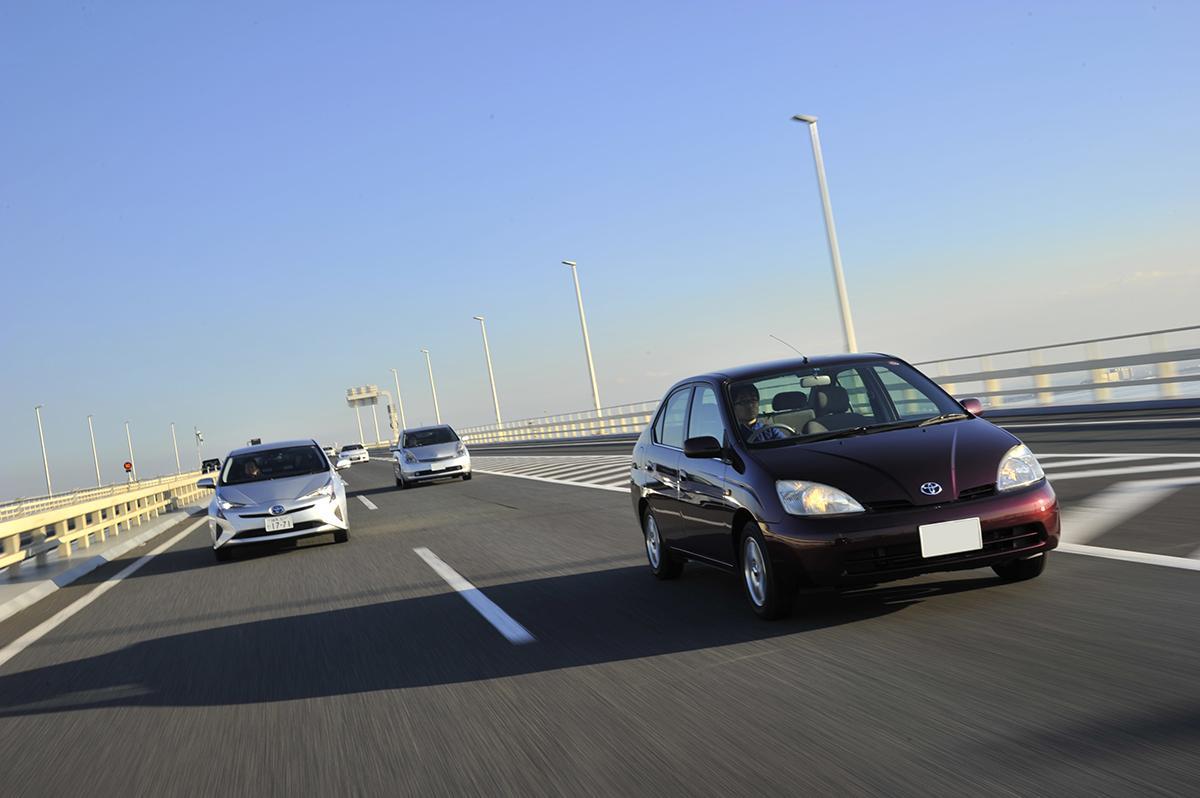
(769, 592)
(1020, 570)
(341, 536)
(664, 563)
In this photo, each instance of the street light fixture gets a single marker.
(487, 353)
(37, 410)
(835, 254)
(433, 388)
(587, 344)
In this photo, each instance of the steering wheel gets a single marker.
(785, 428)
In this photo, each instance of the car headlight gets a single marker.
(462, 449)
(225, 504)
(813, 498)
(409, 457)
(1018, 468)
(325, 491)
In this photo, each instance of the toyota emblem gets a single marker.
(931, 489)
(278, 508)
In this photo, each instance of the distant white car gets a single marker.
(355, 453)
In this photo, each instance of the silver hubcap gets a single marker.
(752, 569)
(653, 544)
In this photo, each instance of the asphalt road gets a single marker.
(354, 669)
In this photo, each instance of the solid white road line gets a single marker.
(514, 632)
(1117, 472)
(42, 629)
(1185, 563)
(370, 504)
(553, 481)
(1139, 455)
(1099, 423)
(1085, 521)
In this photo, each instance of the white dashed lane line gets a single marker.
(514, 632)
(369, 504)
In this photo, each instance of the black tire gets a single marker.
(223, 554)
(769, 593)
(400, 483)
(1020, 570)
(341, 536)
(466, 476)
(669, 565)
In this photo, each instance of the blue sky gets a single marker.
(226, 214)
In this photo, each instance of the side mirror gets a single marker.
(342, 464)
(704, 447)
(207, 483)
(972, 406)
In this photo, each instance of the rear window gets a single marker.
(291, 461)
(351, 446)
(429, 437)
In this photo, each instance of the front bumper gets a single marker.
(438, 469)
(877, 547)
(242, 525)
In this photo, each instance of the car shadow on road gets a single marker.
(590, 618)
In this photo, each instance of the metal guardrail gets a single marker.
(34, 526)
(1160, 364)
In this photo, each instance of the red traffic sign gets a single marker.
(128, 466)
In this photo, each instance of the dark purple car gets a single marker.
(835, 471)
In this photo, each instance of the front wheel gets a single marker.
(664, 563)
(769, 593)
(466, 476)
(341, 536)
(223, 554)
(1020, 570)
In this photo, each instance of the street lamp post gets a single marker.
(358, 415)
(199, 441)
(835, 254)
(129, 439)
(37, 410)
(399, 401)
(95, 457)
(175, 443)
(487, 353)
(375, 415)
(433, 388)
(587, 344)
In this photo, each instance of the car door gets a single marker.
(662, 461)
(705, 507)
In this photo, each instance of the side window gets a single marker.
(856, 391)
(909, 400)
(668, 430)
(705, 418)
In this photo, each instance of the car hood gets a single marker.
(893, 465)
(273, 490)
(434, 450)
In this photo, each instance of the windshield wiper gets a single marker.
(942, 417)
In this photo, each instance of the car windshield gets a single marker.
(829, 401)
(290, 461)
(428, 437)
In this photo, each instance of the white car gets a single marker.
(276, 491)
(355, 453)
(427, 453)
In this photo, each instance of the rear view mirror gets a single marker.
(701, 448)
(342, 464)
(813, 380)
(972, 406)
(206, 483)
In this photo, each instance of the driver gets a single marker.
(251, 470)
(745, 410)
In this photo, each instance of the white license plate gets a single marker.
(279, 524)
(437, 466)
(951, 537)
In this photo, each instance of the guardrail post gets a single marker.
(11, 545)
(985, 364)
(1099, 376)
(1164, 371)
(1040, 380)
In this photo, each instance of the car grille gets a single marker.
(901, 556)
(262, 533)
(449, 470)
(438, 458)
(965, 495)
(269, 515)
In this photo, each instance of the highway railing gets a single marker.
(1140, 367)
(30, 527)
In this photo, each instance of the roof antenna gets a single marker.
(789, 346)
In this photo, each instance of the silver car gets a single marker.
(426, 453)
(276, 491)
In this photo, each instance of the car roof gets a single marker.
(431, 426)
(774, 366)
(274, 445)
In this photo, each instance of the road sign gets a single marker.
(128, 466)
